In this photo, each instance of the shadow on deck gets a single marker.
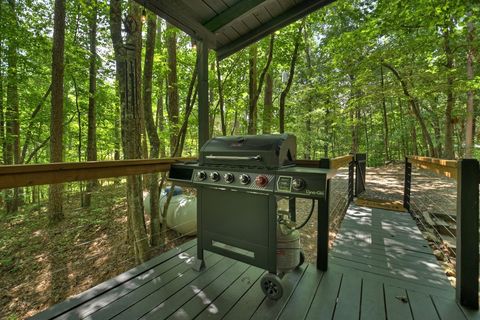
(380, 267)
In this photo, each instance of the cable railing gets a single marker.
(453, 220)
(330, 210)
(58, 260)
(42, 264)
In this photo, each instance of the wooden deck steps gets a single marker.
(379, 268)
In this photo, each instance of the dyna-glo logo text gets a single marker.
(314, 192)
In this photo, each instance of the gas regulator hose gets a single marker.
(308, 218)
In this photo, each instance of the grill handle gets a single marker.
(256, 158)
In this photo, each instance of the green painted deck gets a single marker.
(380, 268)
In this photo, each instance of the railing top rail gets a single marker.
(342, 161)
(14, 176)
(333, 163)
(444, 167)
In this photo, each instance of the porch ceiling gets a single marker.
(228, 26)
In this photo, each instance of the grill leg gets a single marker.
(292, 208)
(199, 262)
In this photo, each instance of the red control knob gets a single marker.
(261, 181)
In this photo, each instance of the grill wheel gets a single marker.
(272, 286)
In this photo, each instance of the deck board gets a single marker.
(373, 300)
(396, 303)
(223, 303)
(299, 303)
(380, 267)
(203, 296)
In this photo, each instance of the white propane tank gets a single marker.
(288, 247)
(181, 213)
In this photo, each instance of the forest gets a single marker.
(388, 78)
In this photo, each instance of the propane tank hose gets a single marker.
(308, 218)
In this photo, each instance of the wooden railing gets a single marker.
(331, 163)
(14, 176)
(444, 167)
(467, 174)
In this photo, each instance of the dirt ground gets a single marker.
(41, 266)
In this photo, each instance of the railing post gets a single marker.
(360, 170)
(467, 258)
(351, 169)
(407, 184)
(322, 223)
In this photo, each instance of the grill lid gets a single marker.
(266, 151)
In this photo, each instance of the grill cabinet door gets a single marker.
(240, 225)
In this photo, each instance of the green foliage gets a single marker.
(337, 74)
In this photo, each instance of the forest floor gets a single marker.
(42, 265)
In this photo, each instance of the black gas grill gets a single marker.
(239, 180)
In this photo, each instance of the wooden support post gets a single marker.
(360, 171)
(203, 108)
(468, 178)
(407, 185)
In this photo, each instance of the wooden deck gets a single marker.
(380, 267)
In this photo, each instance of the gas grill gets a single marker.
(246, 189)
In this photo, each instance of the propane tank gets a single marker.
(288, 244)
(182, 210)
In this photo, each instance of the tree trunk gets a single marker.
(449, 154)
(405, 130)
(172, 80)
(469, 129)
(160, 115)
(126, 59)
(385, 119)
(12, 121)
(151, 128)
(414, 139)
(354, 116)
(92, 91)
(211, 98)
(56, 127)
(220, 99)
(413, 103)
(2, 115)
(268, 104)
(255, 89)
(189, 102)
(283, 95)
(252, 88)
(2, 107)
(309, 100)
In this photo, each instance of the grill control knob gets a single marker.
(229, 177)
(201, 175)
(244, 179)
(261, 181)
(215, 176)
(298, 184)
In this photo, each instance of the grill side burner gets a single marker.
(238, 181)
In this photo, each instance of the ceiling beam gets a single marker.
(176, 13)
(231, 14)
(293, 14)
